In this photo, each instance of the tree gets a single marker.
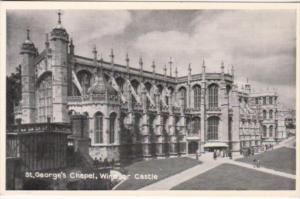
(13, 94)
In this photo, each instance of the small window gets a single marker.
(270, 100)
(264, 101)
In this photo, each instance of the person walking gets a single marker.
(215, 154)
(254, 163)
(257, 163)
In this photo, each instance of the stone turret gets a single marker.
(203, 108)
(28, 52)
(60, 71)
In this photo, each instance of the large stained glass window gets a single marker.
(213, 124)
(112, 126)
(213, 96)
(182, 92)
(44, 99)
(197, 96)
(98, 128)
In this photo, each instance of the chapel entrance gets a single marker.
(193, 147)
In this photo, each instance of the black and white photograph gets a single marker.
(150, 99)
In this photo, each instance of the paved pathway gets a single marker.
(207, 164)
(263, 169)
(168, 183)
(287, 143)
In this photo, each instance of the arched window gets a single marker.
(197, 96)
(195, 125)
(271, 114)
(182, 95)
(213, 96)
(264, 114)
(264, 100)
(265, 131)
(270, 100)
(271, 131)
(257, 100)
(213, 124)
(44, 99)
(112, 126)
(98, 128)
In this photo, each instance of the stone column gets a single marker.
(202, 117)
(159, 131)
(223, 134)
(173, 152)
(235, 121)
(183, 133)
(145, 129)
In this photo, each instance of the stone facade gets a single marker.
(133, 113)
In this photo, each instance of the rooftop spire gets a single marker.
(101, 60)
(203, 62)
(59, 16)
(112, 55)
(95, 52)
(112, 59)
(189, 68)
(170, 62)
(176, 73)
(165, 70)
(222, 67)
(47, 40)
(28, 34)
(232, 70)
(127, 59)
(127, 63)
(153, 66)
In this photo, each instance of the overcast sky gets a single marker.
(260, 44)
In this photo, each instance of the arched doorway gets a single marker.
(193, 147)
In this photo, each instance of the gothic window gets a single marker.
(264, 100)
(44, 99)
(112, 122)
(271, 114)
(270, 100)
(265, 131)
(213, 124)
(271, 131)
(182, 92)
(264, 114)
(197, 96)
(98, 128)
(196, 125)
(213, 96)
(189, 125)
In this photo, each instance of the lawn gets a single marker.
(162, 168)
(282, 159)
(232, 177)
